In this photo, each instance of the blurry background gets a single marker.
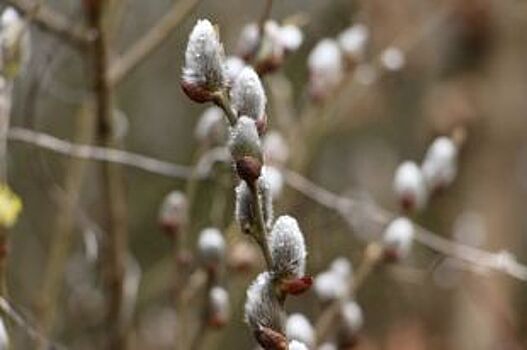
(465, 65)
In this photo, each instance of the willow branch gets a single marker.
(97, 153)
(350, 209)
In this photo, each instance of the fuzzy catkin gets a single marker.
(288, 251)
(262, 308)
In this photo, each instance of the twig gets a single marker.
(8, 310)
(261, 25)
(51, 21)
(151, 41)
(63, 227)
(113, 183)
(349, 208)
(330, 200)
(103, 154)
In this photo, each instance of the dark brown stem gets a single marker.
(113, 183)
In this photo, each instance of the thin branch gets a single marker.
(500, 262)
(8, 310)
(54, 22)
(151, 41)
(97, 153)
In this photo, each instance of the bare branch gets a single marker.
(51, 21)
(103, 154)
(151, 41)
(8, 310)
(501, 261)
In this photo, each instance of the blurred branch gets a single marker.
(150, 42)
(8, 310)
(54, 22)
(500, 261)
(348, 208)
(97, 153)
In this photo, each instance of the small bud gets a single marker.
(219, 307)
(288, 250)
(211, 247)
(210, 129)
(4, 338)
(248, 41)
(393, 59)
(275, 148)
(274, 179)
(120, 126)
(295, 286)
(14, 42)
(233, 67)
(353, 42)
(246, 149)
(299, 328)
(296, 345)
(326, 69)
(203, 74)
(173, 214)
(327, 346)
(342, 267)
(262, 308)
(398, 238)
(330, 286)
(291, 37)
(440, 164)
(410, 187)
(352, 321)
(270, 339)
(248, 95)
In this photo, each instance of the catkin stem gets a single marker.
(261, 234)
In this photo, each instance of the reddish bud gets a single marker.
(270, 339)
(296, 286)
(249, 169)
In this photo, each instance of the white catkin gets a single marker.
(440, 163)
(248, 95)
(326, 67)
(219, 304)
(352, 318)
(330, 285)
(211, 247)
(275, 180)
(210, 128)
(393, 58)
(409, 185)
(244, 140)
(173, 210)
(291, 37)
(275, 148)
(398, 237)
(342, 267)
(299, 328)
(233, 67)
(288, 251)
(353, 41)
(15, 43)
(262, 308)
(204, 57)
(296, 345)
